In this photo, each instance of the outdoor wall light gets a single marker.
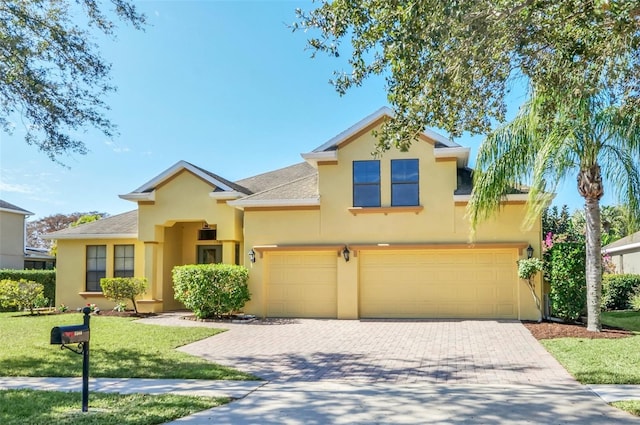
(252, 255)
(529, 251)
(345, 253)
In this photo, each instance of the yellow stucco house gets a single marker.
(340, 235)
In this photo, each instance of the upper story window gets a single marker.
(96, 266)
(123, 260)
(366, 183)
(404, 182)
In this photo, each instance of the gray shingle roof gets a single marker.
(7, 206)
(465, 183)
(234, 186)
(121, 225)
(303, 188)
(265, 181)
(633, 238)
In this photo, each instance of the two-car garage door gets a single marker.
(452, 283)
(443, 283)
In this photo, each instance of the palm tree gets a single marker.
(552, 138)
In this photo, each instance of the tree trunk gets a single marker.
(590, 187)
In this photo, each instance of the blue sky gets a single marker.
(223, 85)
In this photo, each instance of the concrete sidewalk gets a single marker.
(611, 393)
(303, 403)
(270, 403)
(208, 388)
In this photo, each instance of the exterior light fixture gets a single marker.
(345, 253)
(252, 255)
(529, 251)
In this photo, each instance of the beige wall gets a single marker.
(12, 233)
(627, 262)
(71, 271)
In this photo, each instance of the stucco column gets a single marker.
(228, 252)
(347, 290)
(152, 270)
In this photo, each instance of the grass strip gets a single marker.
(19, 407)
(631, 406)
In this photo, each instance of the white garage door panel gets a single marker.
(479, 283)
(302, 284)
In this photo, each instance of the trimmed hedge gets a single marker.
(568, 281)
(46, 278)
(618, 289)
(211, 290)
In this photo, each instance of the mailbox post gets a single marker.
(77, 334)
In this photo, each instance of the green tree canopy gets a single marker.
(450, 64)
(51, 74)
(51, 223)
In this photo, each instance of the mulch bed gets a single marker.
(551, 330)
(127, 313)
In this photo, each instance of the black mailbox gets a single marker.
(70, 334)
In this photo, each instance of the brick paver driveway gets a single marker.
(432, 351)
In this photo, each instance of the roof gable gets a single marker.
(145, 192)
(444, 147)
(373, 120)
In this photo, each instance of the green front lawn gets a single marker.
(629, 320)
(119, 348)
(18, 407)
(602, 361)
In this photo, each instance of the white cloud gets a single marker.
(17, 188)
(115, 147)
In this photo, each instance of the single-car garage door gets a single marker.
(445, 283)
(301, 284)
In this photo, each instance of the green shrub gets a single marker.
(211, 290)
(119, 289)
(46, 278)
(22, 294)
(567, 278)
(634, 302)
(617, 290)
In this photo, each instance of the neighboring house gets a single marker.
(39, 259)
(13, 252)
(341, 235)
(625, 254)
(12, 235)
